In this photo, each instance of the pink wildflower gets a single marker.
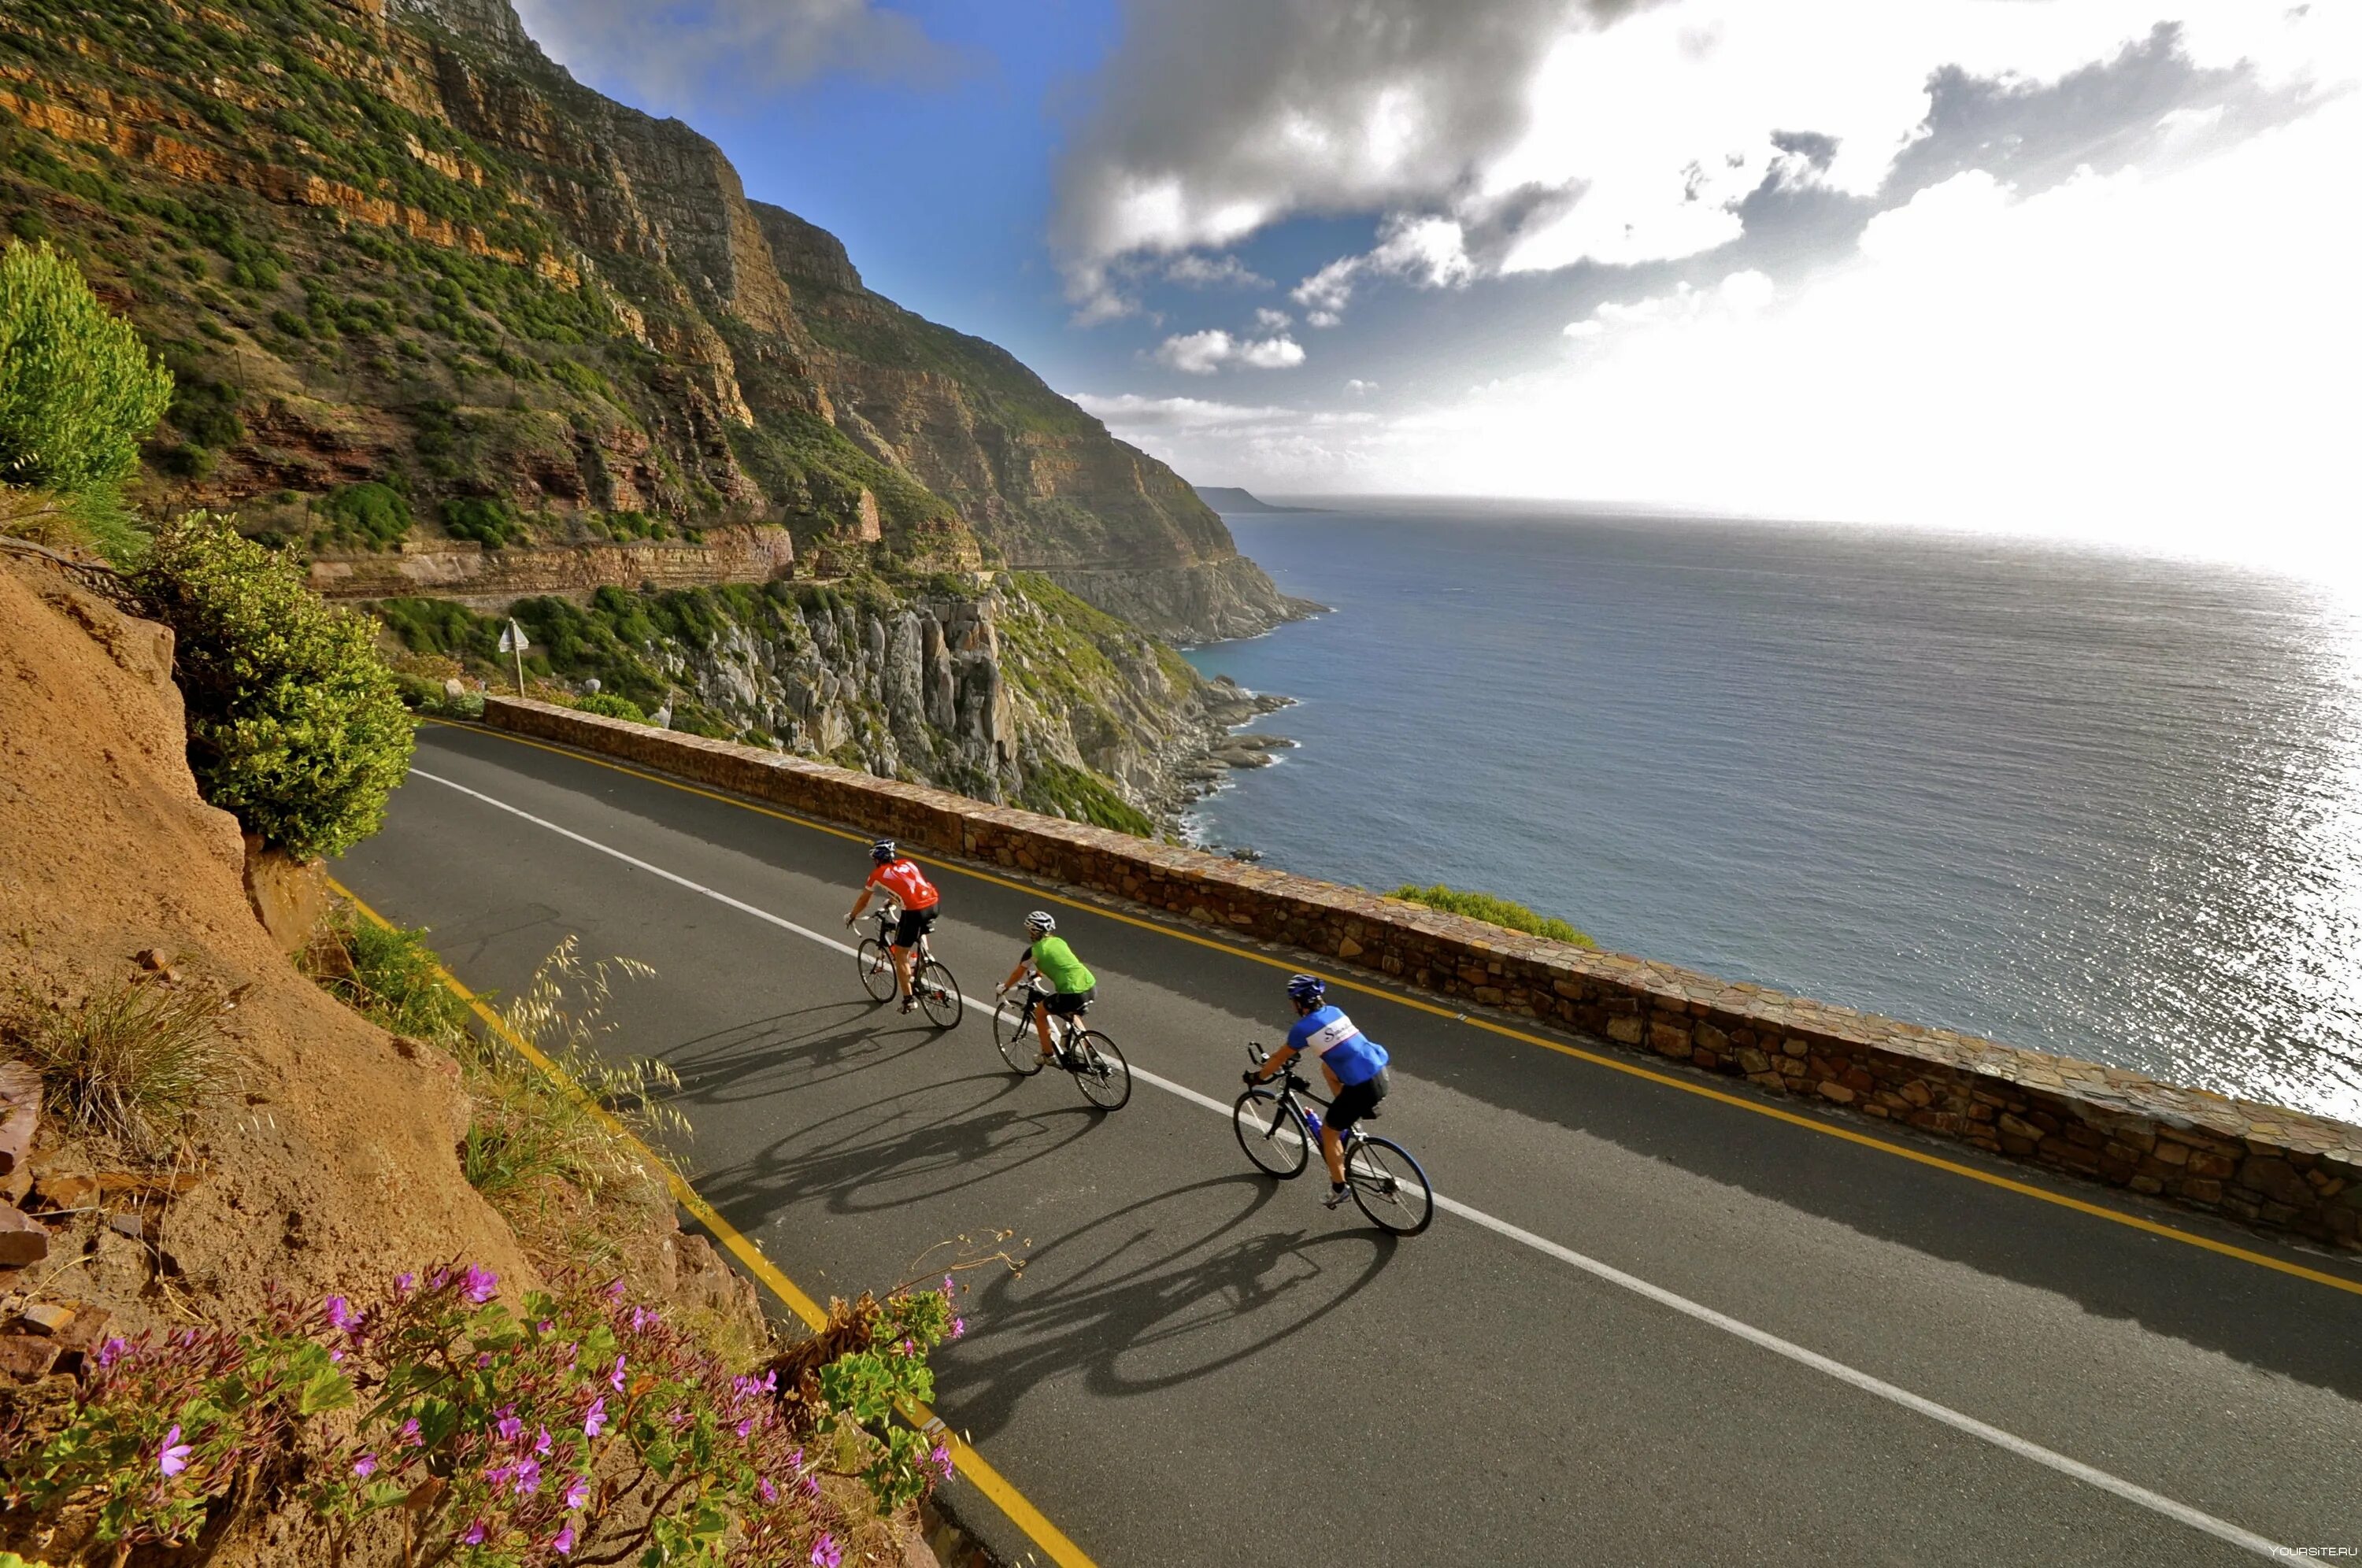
(615, 1378)
(482, 1284)
(528, 1477)
(942, 1458)
(578, 1491)
(765, 1490)
(746, 1427)
(365, 1466)
(408, 1436)
(594, 1419)
(825, 1553)
(563, 1542)
(174, 1457)
(112, 1352)
(959, 1326)
(402, 1283)
(509, 1428)
(615, 1289)
(475, 1535)
(340, 1314)
(541, 1443)
(643, 1320)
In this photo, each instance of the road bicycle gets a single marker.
(1280, 1133)
(938, 994)
(1098, 1064)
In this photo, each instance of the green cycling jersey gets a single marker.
(1059, 965)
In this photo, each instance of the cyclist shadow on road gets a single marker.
(1142, 1302)
(796, 1050)
(904, 1148)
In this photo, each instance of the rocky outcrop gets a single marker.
(1005, 689)
(1201, 603)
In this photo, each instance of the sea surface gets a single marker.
(2086, 802)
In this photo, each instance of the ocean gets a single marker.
(2081, 801)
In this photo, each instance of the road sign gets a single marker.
(513, 641)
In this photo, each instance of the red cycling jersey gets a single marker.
(907, 883)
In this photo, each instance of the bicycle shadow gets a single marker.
(795, 1050)
(1140, 1305)
(901, 1149)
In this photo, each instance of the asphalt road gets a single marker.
(1662, 1328)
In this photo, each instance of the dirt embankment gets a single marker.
(331, 1165)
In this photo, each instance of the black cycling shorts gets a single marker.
(1356, 1100)
(914, 924)
(1066, 1004)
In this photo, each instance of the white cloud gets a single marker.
(1203, 353)
(675, 54)
(1131, 410)
(1739, 295)
(1360, 388)
(1535, 135)
(1431, 253)
(1273, 320)
(2162, 360)
(1195, 270)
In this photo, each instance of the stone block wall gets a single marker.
(2265, 1165)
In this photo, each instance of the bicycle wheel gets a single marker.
(1270, 1134)
(938, 994)
(1389, 1186)
(1012, 1032)
(877, 968)
(1099, 1069)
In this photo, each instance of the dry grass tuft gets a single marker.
(131, 1063)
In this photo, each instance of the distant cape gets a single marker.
(1230, 498)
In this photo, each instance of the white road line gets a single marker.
(2222, 1530)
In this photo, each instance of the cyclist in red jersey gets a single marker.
(908, 885)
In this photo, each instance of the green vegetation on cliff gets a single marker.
(407, 250)
(1492, 910)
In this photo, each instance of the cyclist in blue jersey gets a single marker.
(1354, 1065)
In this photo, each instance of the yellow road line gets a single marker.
(1632, 1069)
(972, 1464)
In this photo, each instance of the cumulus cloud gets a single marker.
(1204, 353)
(1195, 270)
(1217, 117)
(2156, 360)
(1536, 136)
(1272, 320)
(1131, 410)
(674, 54)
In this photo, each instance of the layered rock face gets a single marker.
(397, 243)
(1009, 690)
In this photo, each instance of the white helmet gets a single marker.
(1041, 923)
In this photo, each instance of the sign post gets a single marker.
(513, 641)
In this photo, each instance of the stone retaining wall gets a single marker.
(2266, 1164)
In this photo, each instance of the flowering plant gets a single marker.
(584, 1429)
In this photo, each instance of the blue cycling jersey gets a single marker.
(1328, 1034)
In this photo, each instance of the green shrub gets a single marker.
(1492, 910)
(486, 519)
(377, 513)
(77, 387)
(611, 706)
(295, 723)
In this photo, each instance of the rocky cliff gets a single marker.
(400, 247)
(1013, 691)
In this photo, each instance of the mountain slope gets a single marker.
(400, 247)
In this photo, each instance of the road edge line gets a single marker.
(1012, 1503)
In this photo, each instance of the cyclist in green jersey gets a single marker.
(1048, 955)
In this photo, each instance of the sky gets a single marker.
(2069, 268)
